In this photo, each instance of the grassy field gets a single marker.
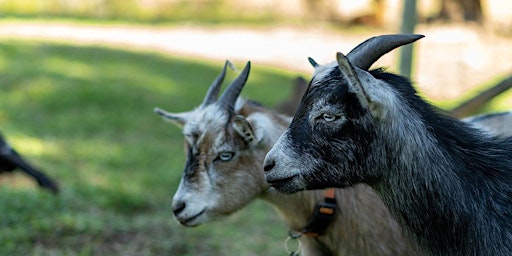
(155, 12)
(85, 116)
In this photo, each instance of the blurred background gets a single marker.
(79, 80)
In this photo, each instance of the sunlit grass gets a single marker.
(206, 12)
(30, 145)
(84, 115)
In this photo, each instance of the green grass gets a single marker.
(201, 12)
(85, 116)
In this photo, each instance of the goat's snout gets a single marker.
(178, 206)
(268, 164)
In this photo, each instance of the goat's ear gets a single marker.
(364, 90)
(179, 119)
(244, 129)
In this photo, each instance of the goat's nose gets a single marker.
(178, 206)
(268, 164)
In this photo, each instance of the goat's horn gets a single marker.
(229, 96)
(313, 62)
(368, 52)
(213, 91)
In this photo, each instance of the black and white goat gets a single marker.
(226, 141)
(10, 160)
(447, 183)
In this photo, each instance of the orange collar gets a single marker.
(322, 215)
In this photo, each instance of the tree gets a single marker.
(461, 10)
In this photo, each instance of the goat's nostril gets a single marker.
(177, 207)
(269, 165)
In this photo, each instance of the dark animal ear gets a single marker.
(347, 70)
(244, 129)
(313, 62)
(179, 119)
(366, 90)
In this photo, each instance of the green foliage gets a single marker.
(209, 11)
(85, 116)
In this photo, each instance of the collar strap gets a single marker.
(322, 215)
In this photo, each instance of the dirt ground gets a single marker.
(449, 61)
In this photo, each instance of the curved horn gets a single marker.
(368, 52)
(313, 62)
(229, 96)
(213, 91)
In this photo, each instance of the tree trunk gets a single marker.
(461, 10)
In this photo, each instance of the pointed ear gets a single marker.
(363, 91)
(179, 119)
(244, 129)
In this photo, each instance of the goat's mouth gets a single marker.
(288, 184)
(192, 221)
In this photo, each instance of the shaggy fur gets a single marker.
(212, 188)
(446, 182)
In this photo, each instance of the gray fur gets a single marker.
(447, 183)
(212, 189)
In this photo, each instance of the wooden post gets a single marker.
(472, 105)
(408, 24)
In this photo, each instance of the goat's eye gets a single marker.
(329, 117)
(226, 156)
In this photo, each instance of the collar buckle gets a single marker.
(322, 215)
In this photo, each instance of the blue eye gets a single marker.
(329, 117)
(226, 156)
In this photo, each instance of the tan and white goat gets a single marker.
(226, 141)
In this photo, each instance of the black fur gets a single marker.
(448, 184)
(471, 200)
(10, 160)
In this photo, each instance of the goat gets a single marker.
(226, 142)
(447, 183)
(499, 124)
(10, 160)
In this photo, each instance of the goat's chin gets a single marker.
(323, 184)
(290, 185)
(190, 225)
(289, 189)
(193, 221)
(206, 216)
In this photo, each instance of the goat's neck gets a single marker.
(295, 209)
(435, 192)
